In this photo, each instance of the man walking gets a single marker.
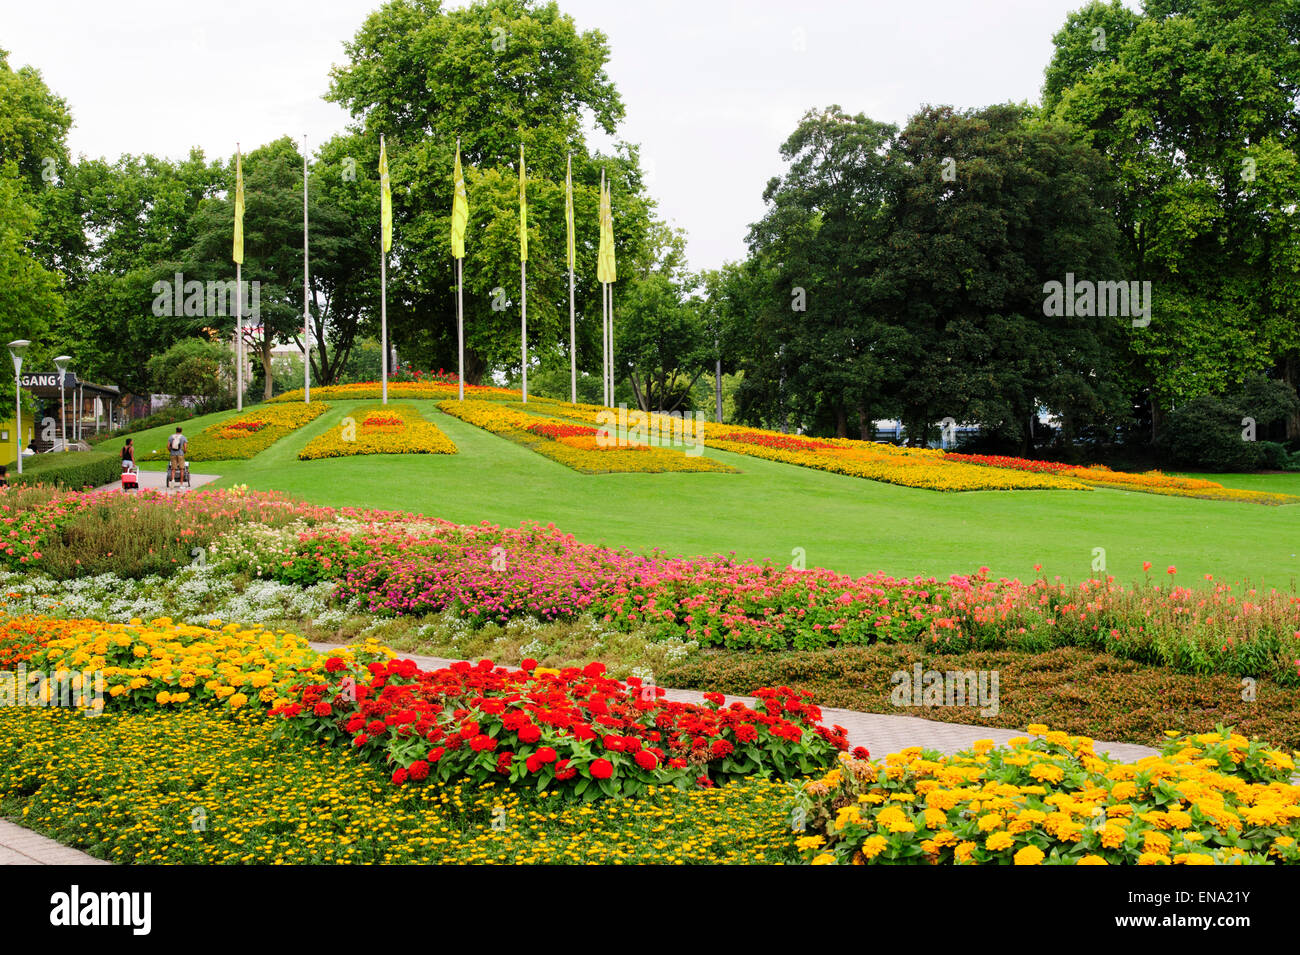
(176, 445)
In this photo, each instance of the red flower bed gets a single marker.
(553, 431)
(574, 730)
(782, 442)
(245, 426)
(1015, 464)
(383, 421)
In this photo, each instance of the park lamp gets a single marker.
(61, 363)
(17, 349)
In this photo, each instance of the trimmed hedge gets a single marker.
(74, 469)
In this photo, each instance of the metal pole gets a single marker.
(239, 336)
(18, 401)
(306, 309)
(523, 324)
(612, 396)
(573, 348)
(460, 327)
(63, 412)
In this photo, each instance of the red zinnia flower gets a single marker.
(482, 742)
(646, 759)
(418, 770)
(601, 769)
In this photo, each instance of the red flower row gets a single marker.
(574, 729)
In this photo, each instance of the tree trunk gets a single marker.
(841, 421)
(866, 426)
(266, 369)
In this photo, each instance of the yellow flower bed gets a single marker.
(195, 786)
(1208, 799)
(513, 424)
(251, 432)
(372, 430)
(910, 467)
(1157, 482)
(163, 663)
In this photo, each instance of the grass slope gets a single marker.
(770, 509)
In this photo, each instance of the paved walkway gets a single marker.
(157, 481)
(19, 846)
(881, 733)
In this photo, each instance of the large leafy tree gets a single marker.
(820, 352)
(1197, 106)
(494, 75)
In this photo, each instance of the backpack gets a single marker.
(174, 443)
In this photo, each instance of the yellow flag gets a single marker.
(600, 248)
(568, 209)
(523, 211)
(385, 198)
(459, 210)
(605, 265)
(238, 254)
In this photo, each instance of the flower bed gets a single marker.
(146, 666)
(1150, 482)
(909, 467)
(390, 429)
(252, 432)
(1208, 799)
(573, 730)
(195, 785)
(577, 451)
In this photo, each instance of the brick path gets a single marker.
(19, 846)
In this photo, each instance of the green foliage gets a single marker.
(494, 75)
(194, 367)
(1211, 433)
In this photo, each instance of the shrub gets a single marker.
(72, 469)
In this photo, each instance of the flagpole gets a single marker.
(523, 320)
(604, 298)
(239, 337)
(383, 296)
(460, 326)
(306, 308)
(573, 336)
(611, 345)
(239, 323)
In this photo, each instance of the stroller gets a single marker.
(178, 474)
(130, 477)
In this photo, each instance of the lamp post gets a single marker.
(61, 363)
(16, 350)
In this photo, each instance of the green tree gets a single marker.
(195, 368)
(496, 75)
(1197, 109)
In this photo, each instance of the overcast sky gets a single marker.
(712, 87)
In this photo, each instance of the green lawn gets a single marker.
(770, 509)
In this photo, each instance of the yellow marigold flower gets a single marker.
(1093, 860)
(163, 697)
(964, 850)
(1057, 738)
(1049, 774)
(1029, 855)
(983, 745)
(824, 859)
(990, 822)
(1036, 728)
(1156, 842)
(237, 701)
(1152, 858)
(1124, 791)
(1112, 836)
(809, 842)
(935, 819)
(1194, 858)
(999, 841)
(873, 846)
